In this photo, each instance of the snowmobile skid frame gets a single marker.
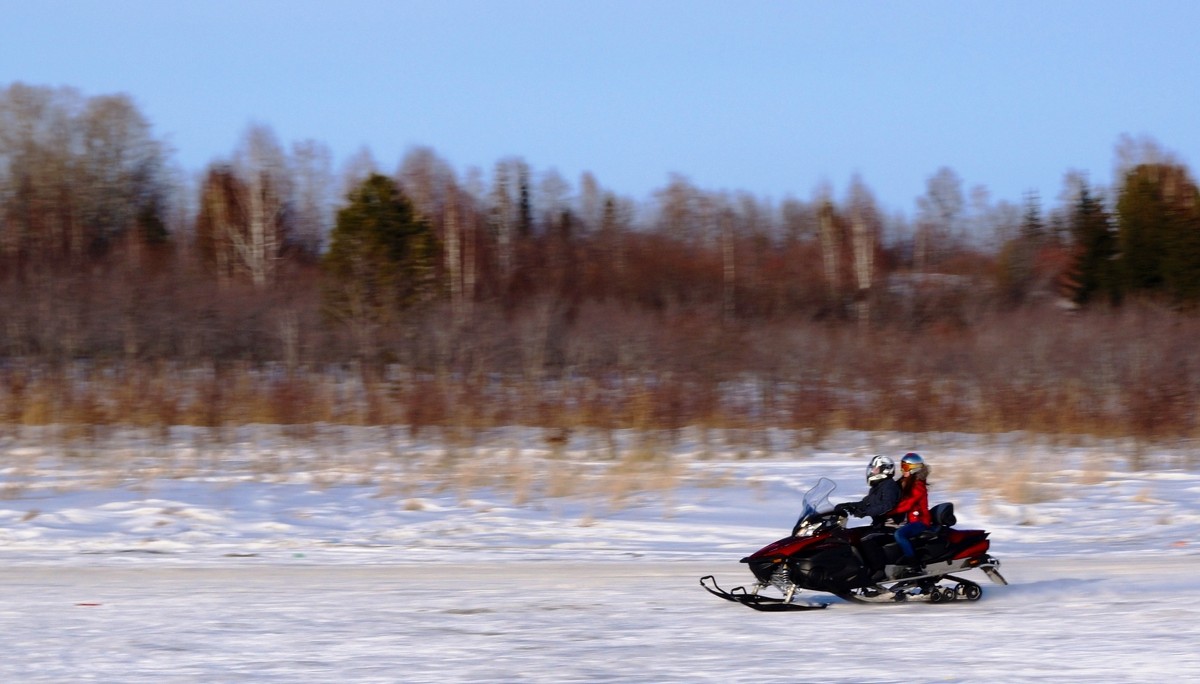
(757, 601)
(928, 588)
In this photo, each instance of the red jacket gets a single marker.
(914, 503)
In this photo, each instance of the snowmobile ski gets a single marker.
(756, 601)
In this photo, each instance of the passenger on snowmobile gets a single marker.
(881, 498)
(914, 506)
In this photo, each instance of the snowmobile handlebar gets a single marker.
(818, 522)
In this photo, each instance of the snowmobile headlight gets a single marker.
(808, 528)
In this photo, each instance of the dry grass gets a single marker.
(613, 472)
(1134, 374)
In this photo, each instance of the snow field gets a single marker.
(227, 574)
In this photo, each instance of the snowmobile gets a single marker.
(861, 564)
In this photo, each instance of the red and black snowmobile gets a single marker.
(860, 564)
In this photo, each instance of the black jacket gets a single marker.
(881, 498)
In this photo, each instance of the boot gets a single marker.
(907, 566)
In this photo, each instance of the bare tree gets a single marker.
(356, 169)
(938, 213)
(452, 238)
(35, 141)
(312, 173)
(75, 173)
(728, 267)
(430, 183)
(865, 227)
(426, 179)
(503, 218)
(679, 210)
(241, 227)
(1132, 152)
(831, 241)
(553, 192)
(220, 215)
(799, 221)
(614, 223)
(262, 165)
(121, 170)
(591, 202)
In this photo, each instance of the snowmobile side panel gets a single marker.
(832, 569)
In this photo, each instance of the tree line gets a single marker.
(109, 250)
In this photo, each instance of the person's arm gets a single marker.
(908, 501)
(880, 501)
(850, 507)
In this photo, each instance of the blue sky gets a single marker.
(771, 98)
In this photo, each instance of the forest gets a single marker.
(275, 286)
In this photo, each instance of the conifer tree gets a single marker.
(380, 260)
(1094, 267)
(1158, 216)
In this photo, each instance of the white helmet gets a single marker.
(881, 467)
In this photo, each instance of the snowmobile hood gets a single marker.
(783, 547)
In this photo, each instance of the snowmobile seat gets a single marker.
(942, 515)
(872, 548)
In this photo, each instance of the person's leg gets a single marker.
(904, 542)
(904, 537)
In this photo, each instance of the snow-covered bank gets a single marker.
(376, 498)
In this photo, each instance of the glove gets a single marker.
(845, 509)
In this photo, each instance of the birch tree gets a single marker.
(865, 227)
(76, 173)
(263, 166)
(831, 246)
(503, 219)
(312, 174)
(938, 212)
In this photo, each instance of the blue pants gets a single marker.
(905, 534)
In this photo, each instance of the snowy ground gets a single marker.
(271, 560)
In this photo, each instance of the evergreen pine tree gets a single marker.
(381, 256)
(1159, 232)
(1094, 267)
(1141, 219)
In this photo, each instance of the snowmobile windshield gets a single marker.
(816, 503)
(816, 500)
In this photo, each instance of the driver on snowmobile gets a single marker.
(881, 498)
